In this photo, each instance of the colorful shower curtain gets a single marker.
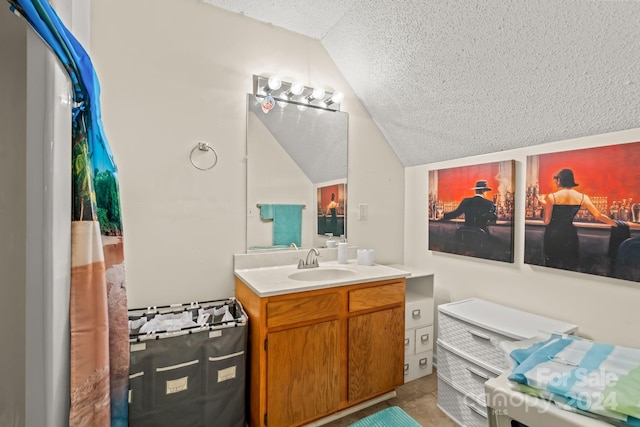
(99, 353)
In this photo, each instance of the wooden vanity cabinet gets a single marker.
(314, 353)
(303, 366)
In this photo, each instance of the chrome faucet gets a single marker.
(310, 263)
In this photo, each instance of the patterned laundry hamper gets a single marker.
(188, 365)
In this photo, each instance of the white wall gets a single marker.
(604, 309)
(176, 72)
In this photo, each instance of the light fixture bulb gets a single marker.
(297, 88)
(274, 83)
(317, 93)
(337, 97)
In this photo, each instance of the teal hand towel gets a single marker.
(266, 211)
(287, 224)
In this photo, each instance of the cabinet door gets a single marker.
(376, 352)
(303, 373)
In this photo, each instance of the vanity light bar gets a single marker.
(296, 93)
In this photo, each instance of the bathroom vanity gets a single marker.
(321, 340)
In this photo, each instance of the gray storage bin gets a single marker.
(192, 376)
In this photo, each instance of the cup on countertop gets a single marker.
(343, 253)
(332, 243)
(365, 256)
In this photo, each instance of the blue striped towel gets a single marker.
(596, 378)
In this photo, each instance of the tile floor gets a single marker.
(417, 398)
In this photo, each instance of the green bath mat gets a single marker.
(390, 417)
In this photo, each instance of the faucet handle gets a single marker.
(300, 263)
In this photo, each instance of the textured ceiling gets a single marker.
(446, 79)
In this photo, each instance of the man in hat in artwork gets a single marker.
(478, 211)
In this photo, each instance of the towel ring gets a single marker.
(203, 146)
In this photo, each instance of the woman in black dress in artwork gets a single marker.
(332, 211)
(561, 245)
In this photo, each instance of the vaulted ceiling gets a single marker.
(446, 79)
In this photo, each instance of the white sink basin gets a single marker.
(319, 273)
(268, 281)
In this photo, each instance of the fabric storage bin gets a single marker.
(136, 392)
(225, 370)
(188, 375)
(172, 381)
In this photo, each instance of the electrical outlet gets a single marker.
(363, 211)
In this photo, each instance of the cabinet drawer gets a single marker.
(418, 340)
(291, 311)
(376, 296)
(461, 408)
(418, 313)
(474, 341)
(462, 373)
(424, 339)
(418, 365)
(409, 342)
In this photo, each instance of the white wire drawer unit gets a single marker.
(469, 353)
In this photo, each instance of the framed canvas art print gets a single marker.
(471, 210)
(332, 213)
(582, 211)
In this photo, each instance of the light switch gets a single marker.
(363, 212)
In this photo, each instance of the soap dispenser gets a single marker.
(343, 250)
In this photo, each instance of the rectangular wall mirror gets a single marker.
(296, 155)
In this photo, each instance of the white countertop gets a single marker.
(270, 281)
